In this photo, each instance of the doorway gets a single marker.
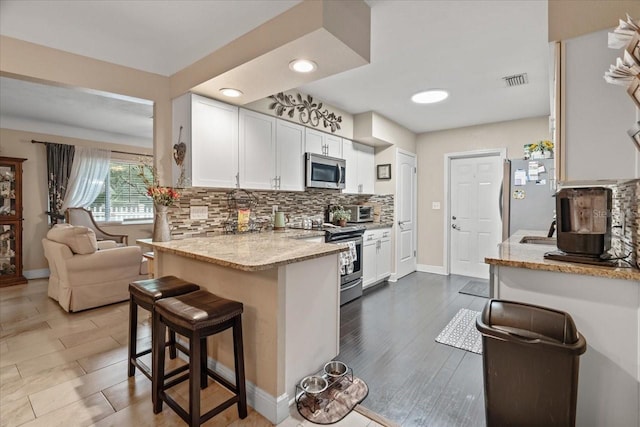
(472, 213)
(406, 193)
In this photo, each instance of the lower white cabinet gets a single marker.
(360, 160)
(376, 256)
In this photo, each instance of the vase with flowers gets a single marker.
(163, 198)
(539, 150)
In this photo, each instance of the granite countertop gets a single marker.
(250, 251)
(377, 225)
(512, 253)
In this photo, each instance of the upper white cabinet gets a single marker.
(271, 153)
(257, 151)
(323, 143)
(289, 156)
(360, 159)
(210, 137)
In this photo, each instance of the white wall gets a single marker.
(431, 149)
(597, 114)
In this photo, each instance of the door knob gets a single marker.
(454, 218)
(455, 227)
(400, 223)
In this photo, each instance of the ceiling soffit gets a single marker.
(336, 35)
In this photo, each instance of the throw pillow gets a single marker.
(81, 240)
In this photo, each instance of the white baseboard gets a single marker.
(36, 274)
(274, 409)
(435, 269)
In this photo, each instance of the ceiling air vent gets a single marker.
(516, 80)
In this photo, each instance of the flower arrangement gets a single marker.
(161, 196)
(541, 146)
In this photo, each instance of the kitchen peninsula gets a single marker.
(605, 305)
(290, 291)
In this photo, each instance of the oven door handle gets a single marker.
(356, 283)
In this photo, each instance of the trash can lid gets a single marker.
(527, 323)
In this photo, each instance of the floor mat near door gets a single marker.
(477, 287)
(461, 332)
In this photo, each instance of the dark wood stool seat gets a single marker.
(196, 316)
(145, 293)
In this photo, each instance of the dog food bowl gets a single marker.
(313, 384)
(335, 369)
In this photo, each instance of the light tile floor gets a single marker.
(60, 369)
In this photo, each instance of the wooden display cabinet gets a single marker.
(11, 222)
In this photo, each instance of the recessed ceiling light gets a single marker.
(230, 92)
(303, 65)
(430, 96)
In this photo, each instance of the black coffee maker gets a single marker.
(583, 223)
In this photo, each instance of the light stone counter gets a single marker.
(250, 251)
(512, 253)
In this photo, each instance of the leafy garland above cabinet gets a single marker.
(310, 113)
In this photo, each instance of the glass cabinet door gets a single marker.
(7, 191)
(8, 249)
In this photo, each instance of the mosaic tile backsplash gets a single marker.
(626, 210)
(310, 204)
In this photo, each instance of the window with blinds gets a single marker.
(123, 197)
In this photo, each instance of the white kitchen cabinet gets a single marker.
(376, 254)
(271, 153)
(360, 159)
(323, 143)
(289, 156)
(257, 151)
(210, 136)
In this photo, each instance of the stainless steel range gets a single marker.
(350, 281)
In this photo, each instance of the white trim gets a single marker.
(394, 275)
(36, 274)
(274, 409)
(502, 152)
(393, 278)
(435, 269)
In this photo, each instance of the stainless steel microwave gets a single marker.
(324, 171)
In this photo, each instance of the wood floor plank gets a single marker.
(32, 351)
(42, 363)
(18, 387)
(84, 412)
(15, 413)
(29, 338)
(71, 391)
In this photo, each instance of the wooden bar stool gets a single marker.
(196, 316)
(145, 294)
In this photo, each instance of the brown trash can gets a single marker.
(530, 356)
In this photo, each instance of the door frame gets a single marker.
(448, 157)
(396, 246)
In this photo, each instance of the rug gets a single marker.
(461, 332)
(477, 288)
(335, 403)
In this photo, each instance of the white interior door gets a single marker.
(475, 218)
(406, 214)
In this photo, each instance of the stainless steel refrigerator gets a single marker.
(527, 201)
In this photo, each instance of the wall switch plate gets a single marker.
(198, 212)
(435, 205)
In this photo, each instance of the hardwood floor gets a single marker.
(61, 369)
(388, 338)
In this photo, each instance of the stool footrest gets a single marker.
(232, 388)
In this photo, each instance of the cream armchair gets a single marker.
(85, 273)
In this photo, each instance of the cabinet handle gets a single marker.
(238, 180)
(278, 182)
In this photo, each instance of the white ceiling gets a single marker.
(462, 46)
